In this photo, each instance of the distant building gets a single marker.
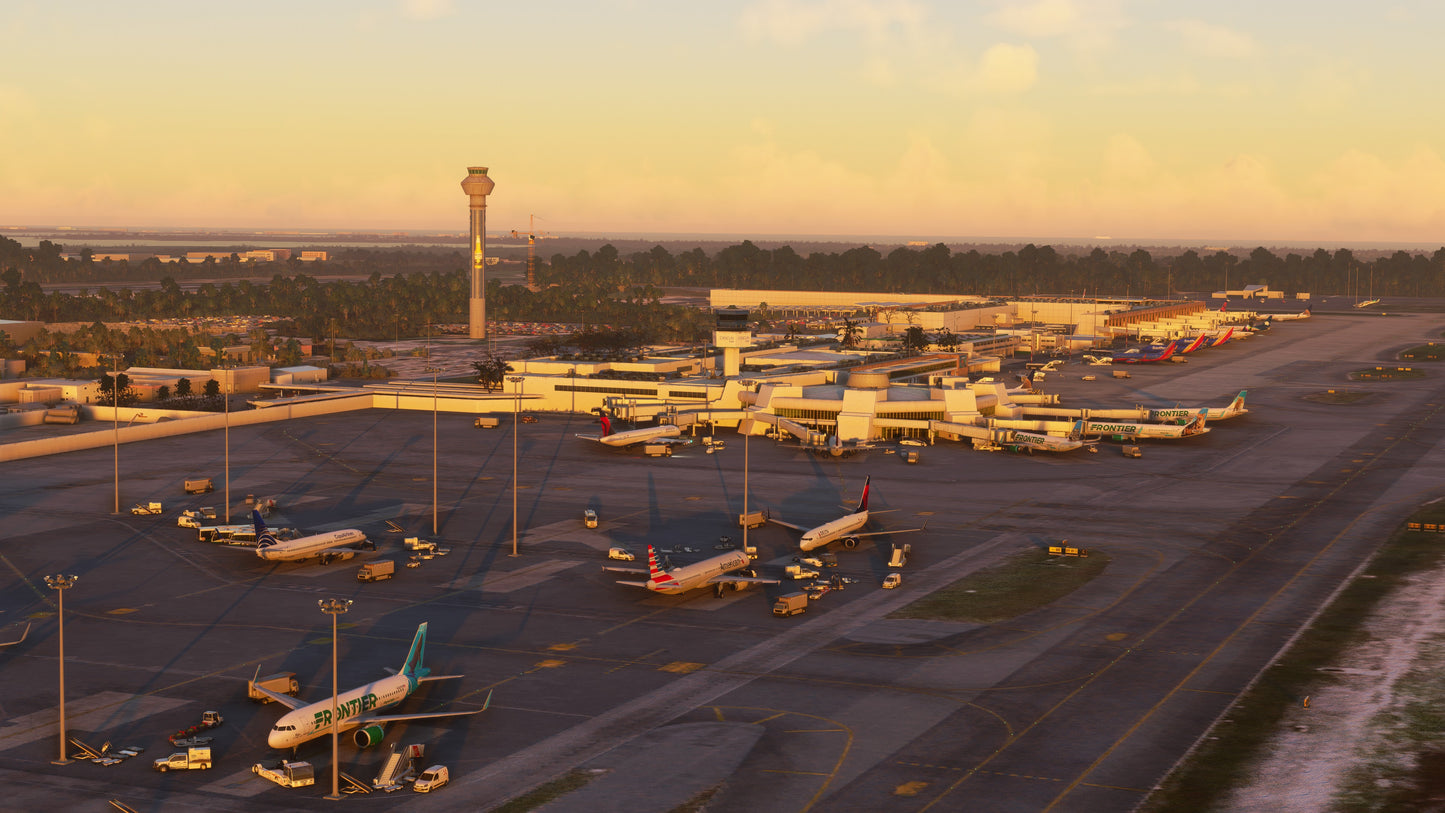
(311, 256)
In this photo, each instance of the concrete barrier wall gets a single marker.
(104, 434)
(30, 417)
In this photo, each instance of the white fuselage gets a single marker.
(642, 435)
(1144, 430)
(697, 574)
(833, 531)
(309, 546)
(1210, 413)
(310, 722)
(1048, 443)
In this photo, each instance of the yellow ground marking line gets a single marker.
(1229, 639)
(799, 773)
(814, 731)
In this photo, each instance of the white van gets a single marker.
(432, 778)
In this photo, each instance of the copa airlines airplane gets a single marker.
(1236, 407)
(325, 546)
(842, 528)
(358, 707)
(715, 571)
(666, 433)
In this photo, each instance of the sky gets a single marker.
(1132, 119)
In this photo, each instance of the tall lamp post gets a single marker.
(516, 407)
(747, 436)
(59, 584)
(115, 421)
(433, 371)
(226, 399)
(334, 607)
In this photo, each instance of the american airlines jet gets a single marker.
(666, 433)
(843, 528)
(325, 546)
(717, 571)
(357, 708)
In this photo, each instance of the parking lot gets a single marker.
(1221, 546)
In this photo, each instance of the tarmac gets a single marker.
(1221, 547)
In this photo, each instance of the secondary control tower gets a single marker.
(477, 186)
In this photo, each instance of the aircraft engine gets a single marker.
(367, 736)
(850, 541)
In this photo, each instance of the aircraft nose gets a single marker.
(275, 740)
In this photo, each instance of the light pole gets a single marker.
(433, 371)
(334, 607)
(115, 422)
(747, 436)
(226, 399)
(516, 407)
(59, 584)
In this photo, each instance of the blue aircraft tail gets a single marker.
(264, 538)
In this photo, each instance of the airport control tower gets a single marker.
(477, 186)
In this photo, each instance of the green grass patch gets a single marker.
(1224, 759)
(1386, 374)
(1424, 352)
(1023, 582)
(542, 794)
(1338, 396)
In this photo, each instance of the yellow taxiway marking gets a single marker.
(681, 667)
(120, 611)
(550, 663)
(562, 647)
(717, 710)
(814, 731)
(799, 773)
(1116, 636)
(909, 788)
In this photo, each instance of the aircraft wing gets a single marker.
(286, 700)
(366, 720)
(597, 438)
(788, 525)
(725, 578)
(885, 533)
(637, 571)
(632, 584)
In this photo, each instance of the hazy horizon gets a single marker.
(1163, 122)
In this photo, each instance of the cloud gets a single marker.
(1003, 68)
(1213, 40)
(793, 22)
(426, 9)
(1087, 25)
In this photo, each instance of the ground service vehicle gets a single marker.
(589, 518)
(282, 682)
(900, 555)
(432, 778)
(791, 604)
(190, 759)
(658, 449)
(199, 485)
(376, 571)
(800, 572)
(529, 419)
(756, 519)
(892, 580)
(417, 543)
(1121, 374)
(147, 508)
(228, 534)
(287, 774)
(620, 553)
(1132, 451)
(487, 422)
(910, 457)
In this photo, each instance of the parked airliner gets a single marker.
(843, 528)
(665, 433)
(325, 546)
(1235, 407)
(357, 708)
(718, 571)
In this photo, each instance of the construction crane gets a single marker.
(531, 250)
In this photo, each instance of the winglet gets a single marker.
(488, 702)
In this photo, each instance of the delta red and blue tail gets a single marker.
(863, 503)
(606, 425)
